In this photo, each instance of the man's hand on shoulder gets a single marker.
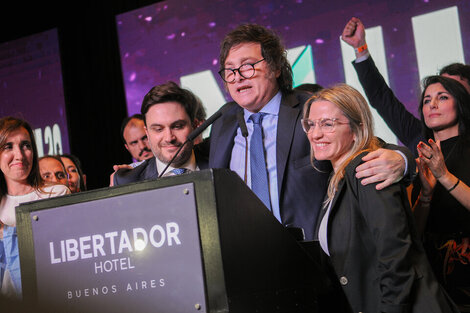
(382, 165)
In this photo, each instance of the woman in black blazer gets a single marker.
(368, 234)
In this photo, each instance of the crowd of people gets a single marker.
(310, 155)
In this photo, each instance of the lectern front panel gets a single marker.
(137, 252)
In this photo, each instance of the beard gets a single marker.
(182, 157)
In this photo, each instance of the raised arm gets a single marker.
(403, 124)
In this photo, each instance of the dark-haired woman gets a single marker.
(443, 208)
(20, 182)
(77, 180)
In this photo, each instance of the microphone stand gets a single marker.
(192, 136)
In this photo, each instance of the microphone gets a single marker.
(204, 125)
(244, 131)
(193, 135)
(242, 124)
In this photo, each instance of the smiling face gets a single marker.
(16, 156)
(255, 92)
(168, 126)
(439, 111)
(334, 145)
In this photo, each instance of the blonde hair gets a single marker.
(356, 110)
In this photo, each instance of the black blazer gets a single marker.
(148, 169)
(375, 252)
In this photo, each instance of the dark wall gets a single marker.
(92, 78)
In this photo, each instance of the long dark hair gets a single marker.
(462, 104)
(7, 126)
(78, 165)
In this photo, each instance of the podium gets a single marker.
(199, 242)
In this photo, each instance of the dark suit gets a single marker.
(301, 188)
(375, 251)
(148, 169)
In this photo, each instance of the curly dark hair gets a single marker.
(272, 49)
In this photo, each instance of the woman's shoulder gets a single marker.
(355, 162)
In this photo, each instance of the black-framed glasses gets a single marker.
(327, 125)
(246, 71)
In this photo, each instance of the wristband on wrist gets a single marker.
(361, 48)
(453, 187)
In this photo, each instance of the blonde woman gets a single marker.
(368, 234)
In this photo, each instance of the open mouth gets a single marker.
(243, 89)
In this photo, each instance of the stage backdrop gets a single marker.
(31, 88)
(179, 40)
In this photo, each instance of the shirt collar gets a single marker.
(190, 165)
(272, 107)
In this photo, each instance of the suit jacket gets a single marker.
(375, 252)
(301, 188)
(148, 169)
(404, 125)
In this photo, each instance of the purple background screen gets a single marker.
(31, 88)
(171, 39)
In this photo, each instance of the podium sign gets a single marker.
(198, 242)
(121, 256)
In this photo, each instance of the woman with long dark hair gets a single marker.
(443, 208)
(20, 181)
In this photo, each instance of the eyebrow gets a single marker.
(172, 124)
(439, 93)
(243, 61)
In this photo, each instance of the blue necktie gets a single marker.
(259, 174)
(179, 171)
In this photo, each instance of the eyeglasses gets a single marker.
(327, 125)
(245, 70)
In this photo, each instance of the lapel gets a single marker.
(289, 114)
(150, 171)
(338, 261)
(221, 149)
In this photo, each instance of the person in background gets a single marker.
(135, 139)
(368, 234)
(441, 134)
(403, 123)
(442, 210)
(20, 181)
(308, 87)
(77, 180)
(52, 169)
